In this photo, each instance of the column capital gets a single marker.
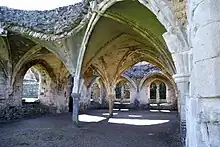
(180, 78)
(76, 95)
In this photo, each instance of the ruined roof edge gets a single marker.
(49, 24)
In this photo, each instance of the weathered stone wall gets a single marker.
(58, 22)
(26, 110)
(53, 85)
(203, 111)
(3, 85)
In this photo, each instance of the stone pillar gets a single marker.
(204, 102)
(158, 93)
(75, 95)
(75, 114)
(111, 97)
(182, 82)
(122, 92)
(111, 104)
(168, 94)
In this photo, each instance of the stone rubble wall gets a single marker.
(8, 113)
(55, 21)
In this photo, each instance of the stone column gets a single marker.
(158, 93)
(75, 114)
(76, 95)
(111, 97)
(168, 95)
(111, 104)
(204, 102)
(182, 81)
(122, 92)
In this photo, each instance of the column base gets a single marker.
(75, 114)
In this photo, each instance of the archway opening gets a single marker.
(31, 86)
(46, 88)
(95, 93)
(122, 92)
(162, 91)
(153, 91)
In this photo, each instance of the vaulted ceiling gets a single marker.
(127, 33)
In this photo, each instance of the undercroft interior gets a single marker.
(106, 64)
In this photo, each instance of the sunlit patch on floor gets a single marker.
(30, 100)
(126, 103)
(117, 103)
(154, 111)
(135, 116)
(115, 109)
(107, 114)
(90, 118)
(166, 111)
(150, 134)
(137, 122)
(124, 109)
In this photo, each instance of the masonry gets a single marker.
(87, 53)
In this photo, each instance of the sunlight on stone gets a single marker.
(154, 110)
(90, 118)
(153, 104)
(115, 109)
(107, 114)
(117, 103)
(166, 111)
(137, 122)
(30, 100)
(135, 116)
(164, 104)
(126, 103)
(124, 109)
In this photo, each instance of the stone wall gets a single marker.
(3, 85)
(26, 110)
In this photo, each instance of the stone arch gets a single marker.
(27, 56)
(95, 80)
(171, 90)
(98, 80)
(55, 84)
(153, 74)
(41, 65)
(125, 94)
(131, 82)
(159, 8)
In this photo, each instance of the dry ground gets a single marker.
(125, 129)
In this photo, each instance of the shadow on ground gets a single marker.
(125, 129)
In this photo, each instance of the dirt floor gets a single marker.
(125, 129)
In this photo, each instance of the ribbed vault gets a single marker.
(122, 38)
